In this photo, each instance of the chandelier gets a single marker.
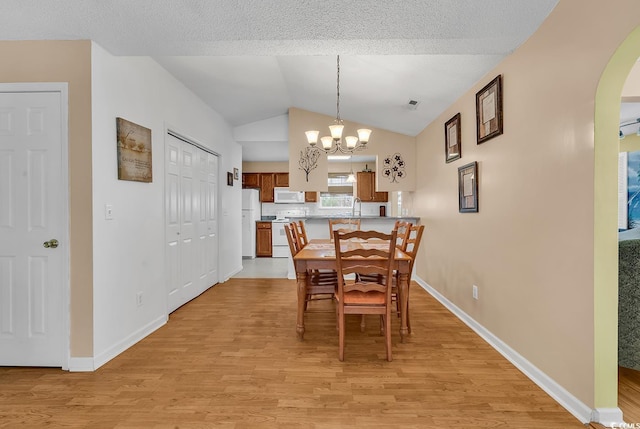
(334, 142)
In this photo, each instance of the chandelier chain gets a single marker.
(338, 92)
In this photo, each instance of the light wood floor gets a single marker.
(230, 359)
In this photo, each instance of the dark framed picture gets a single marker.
(468, 188)
(452, 140)
(489, 110)
(236, 174)
(229, 178)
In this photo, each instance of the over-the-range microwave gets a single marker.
(285, 196)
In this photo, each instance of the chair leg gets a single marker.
(341, 335)
(387, 335)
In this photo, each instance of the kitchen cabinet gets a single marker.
(250, 180)
(310, 197)
(263, 239)
(281, 180)
(366, 188)
(266, 187)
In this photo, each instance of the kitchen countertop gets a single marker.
(325, 217)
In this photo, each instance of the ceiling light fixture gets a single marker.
(334, 142)
(626, 124)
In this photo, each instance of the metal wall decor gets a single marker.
(393, 167)
(308, 160)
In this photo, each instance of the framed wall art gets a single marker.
(468, 188)
(134, 151)
(229, 178)
(489, 110)
(452, 140)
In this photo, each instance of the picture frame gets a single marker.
(468, 188)
(489, 117)
(236, 174)
(229, 178)
(452, 139)
(134, 151)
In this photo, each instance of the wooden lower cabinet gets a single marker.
(263, 239)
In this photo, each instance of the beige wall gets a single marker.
(265, 167)
(383, 143)
(631, 89)
(68, 61)
(530, 249)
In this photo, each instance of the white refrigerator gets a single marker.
(251, 212)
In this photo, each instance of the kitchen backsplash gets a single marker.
(312, 209)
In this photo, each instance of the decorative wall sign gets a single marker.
(308, 160)
(452, 139)
(134, 151)
(393, 167)
(468, 188)
(489, 110)
(236, 174)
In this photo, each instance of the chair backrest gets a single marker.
(358, 260)
(413, 242)
(404, 230)
(301, 232)
(290, 231)
(343, 225)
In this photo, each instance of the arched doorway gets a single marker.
(607, 116)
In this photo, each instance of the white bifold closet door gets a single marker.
(191, 201)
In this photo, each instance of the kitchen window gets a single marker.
(340, 194)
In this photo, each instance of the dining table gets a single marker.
(320, 254)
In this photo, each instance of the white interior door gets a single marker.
(212, 221)
(32, 213)
(191, 221)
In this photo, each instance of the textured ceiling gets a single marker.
(251, 60)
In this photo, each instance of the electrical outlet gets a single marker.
(475, 292)
(139, 299)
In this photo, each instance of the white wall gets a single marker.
(129, 250)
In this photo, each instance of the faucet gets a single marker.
(353, 209)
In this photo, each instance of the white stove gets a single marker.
(279, 243)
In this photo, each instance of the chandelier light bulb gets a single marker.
(327, 141)
(312, 136)
(363, 135)
(336, 131)
(352, 141)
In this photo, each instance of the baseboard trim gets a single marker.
(80, 364)
(91, 364)
(609, 417)
(232, 273)
(572, 404)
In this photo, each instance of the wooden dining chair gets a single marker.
(410, 247)
(320, 285)
(301, 231)
(364, 297)
(343, 225)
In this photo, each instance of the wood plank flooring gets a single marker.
(230, 359)
(629, 394)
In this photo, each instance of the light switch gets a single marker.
(108, 212)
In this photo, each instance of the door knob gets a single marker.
(53, 243)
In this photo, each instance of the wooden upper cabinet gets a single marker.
(366, 188)
(281, 180)
(266, 187)
(250, 180)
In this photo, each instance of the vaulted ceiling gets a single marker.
(251, 60)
